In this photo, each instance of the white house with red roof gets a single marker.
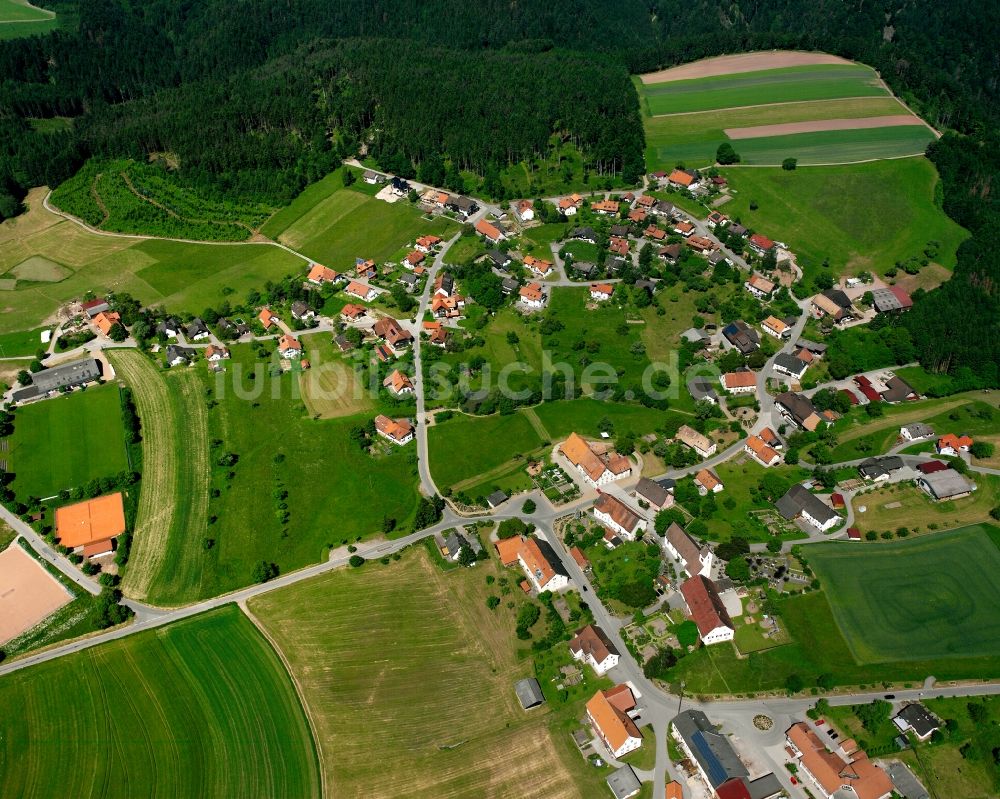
(708, 610)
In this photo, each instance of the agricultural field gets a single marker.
(813, 107)
(331, 388)
(763, 87)
(20, 18)
(937, 596)
(22, 343)
(125, 196)
(889, 508)
(276, 486)
(407, 660)
(458, 456)
(183, 277)
(348, 223)
(116, 733)
(585, 415)
(861, 217)
(65, 442)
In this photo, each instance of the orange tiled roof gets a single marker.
(615, 726)
(90, 521)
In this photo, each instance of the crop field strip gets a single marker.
(933, 596)
(173, 502)
(200, 708)
(376, 651)
(784, 85)
(836, 146)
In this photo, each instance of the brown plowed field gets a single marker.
(816, 125)
(743, 62)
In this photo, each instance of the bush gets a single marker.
(529, 506)
(264, 571)
(510, 528)
(725, 154)
(789, 164)
(794, 683)
(356, 561)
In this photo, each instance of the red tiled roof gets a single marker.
(705, 605)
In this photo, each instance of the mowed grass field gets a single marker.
(837, 146)
(892, 507)
(693, 138)
(184, 277)
(408, 679)
(468, 446)
(350, 223)
(331, 388)
(206, 526)
(783, 85)
(20, 18)
(934, 596)
(862, 217)
(202, 708)
(66, 442)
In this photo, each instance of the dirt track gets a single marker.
(815, 125)
(29, 593)
(743, 62)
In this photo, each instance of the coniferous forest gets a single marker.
(254, 99)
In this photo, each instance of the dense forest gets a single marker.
(256, 98)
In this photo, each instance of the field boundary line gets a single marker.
(25, 4)
(299, 692)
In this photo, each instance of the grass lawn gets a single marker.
(331, 388)
(349, 224)
(22, 342)
(908, 506)
(784, 85)
(692, 139)
(944, 769)
(734, 506)
(335, 491)
(863, 435)
(458, 450)
(20, 18)
(933, 597)
(584, 415)
(66, 442)
(376, 650)
(620, 572)
(200, 708)
(183, 277)
(863, 217)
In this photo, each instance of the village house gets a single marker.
(695, 559)
(879, 470)
(532, 296)
(715, 219)
(591, 646)
(509, 285)
(319, 274)
(499, 259)
(898, 390)
(741, 382)
(946, 484)
(265, 317)
(413, 259)
(540, 565)
(683, 179)
(760, 287)
(489, 231)
(709, 750)
(670, 253)
(302, 312)
(654, 233)
(525, 210)
(537, 265)
(619, 517)
(360, 290)
(645, 201)
(833, 303)
(444, 284)
(790, 365)
(637, 215)
(585, 234)
(437, 336)
(698, 387)
(398, 431)
(657, 496)
(761, 244)
(176, 355)
(215, 353)
(776, 328)
(608, 712)
(364, 268)
(741, 336)
(684, 228)
(447, 307)
(568, 205)
(427, 243)
(950, 444)
(372, 178)
(390, 331)
(618, 246)
(233, 329)
(915, 431)
(700, 244)
(836, 774)
(399, 186)
(601, 291)
(891, 299)
(708, 482)
(917, 719)
(606, 207)
(580, 559)
(690, 437)
(761, 452)
(409, 281)
(398, 383)
(105, 321)
(798, 502)
(708, 610)
(95, 306)
(623, 782)
(352, 312)
(197, 330)
(596, 469)
(798, 410)
(289, 347)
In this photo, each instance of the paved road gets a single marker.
(45, 551)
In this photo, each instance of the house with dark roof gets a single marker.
(499, 259)
(741, 336)
(891, 299)
(592, 646)
(710, 751)
(916, 431)
(697, 559)
(585, 269)
(798, 410)
(917, 719)
(791, 365)
(654, 494)
(586, 234)
(700, 388)
(177, 355)
(898, 390)
(946, 484)
(880, 469)
(67, 375)
(798, 502)
(708, 610)
(496, 499)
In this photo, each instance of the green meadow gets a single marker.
(202, 708)
(836, 146)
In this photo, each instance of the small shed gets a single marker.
(529, 692)
(623, 783)
(496, 498)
